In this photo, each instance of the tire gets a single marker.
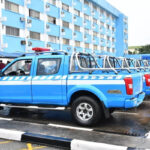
(86, 111)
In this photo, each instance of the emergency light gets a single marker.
(39, 49)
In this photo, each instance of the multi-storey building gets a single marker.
(72, 25)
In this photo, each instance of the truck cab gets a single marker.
(76, 81)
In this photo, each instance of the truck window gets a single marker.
(85, 62)
(19, 68)
(48, 66)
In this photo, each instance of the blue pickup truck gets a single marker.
(73, 81)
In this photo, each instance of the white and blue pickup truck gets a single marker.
(51, 79)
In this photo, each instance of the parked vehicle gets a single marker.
(47, 79)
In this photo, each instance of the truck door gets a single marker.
(47, 81)
(15, 84)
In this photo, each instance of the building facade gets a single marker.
(72, 25)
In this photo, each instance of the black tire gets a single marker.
(92, 104)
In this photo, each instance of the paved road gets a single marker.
(13, 145)
(125, 128)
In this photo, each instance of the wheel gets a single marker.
(86, 111)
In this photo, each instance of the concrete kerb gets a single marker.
(71, 144)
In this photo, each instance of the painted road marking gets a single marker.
(69, 127)
(29, 147)
(5, 142)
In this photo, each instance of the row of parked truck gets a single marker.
(92, 87)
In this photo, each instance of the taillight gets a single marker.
(129, 85)
(147, 79)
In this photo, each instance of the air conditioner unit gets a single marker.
(23, 42)
(27, 1)
(93, 13)
(29, 43)
(62, 30)
(47, 7)
(22, 19)
(48, 45)
(29, 21)
(47, 26)
(62, 14)
(68, 48)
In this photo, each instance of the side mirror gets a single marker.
(1, 73)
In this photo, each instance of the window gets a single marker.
(113, 39)
(102, 36)
(53, 2)
(95, 47)
(12, 31)
(102, 23)
(87, 45)
(86, 17)
(19, 68)
(108, 38)
(86, 31)
(86, 2)
(113, 29)
(77, 28)
(113, 50)
(94, 7)
(77, 12)
(65, 7)
(35, 35)
(11, 6)
(34, 14)
(51, 20)
(65, 24)
(95, 34)
(48, 66)
(108, 27)
(66, 41)
(77, 43)
(53, 39)
(108, 49)
(102, 48)
(94, 21)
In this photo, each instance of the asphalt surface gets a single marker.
(13, 145)
(125, 128)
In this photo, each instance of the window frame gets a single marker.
(16, 62)
(60, 60)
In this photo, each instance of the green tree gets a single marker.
(144, 49)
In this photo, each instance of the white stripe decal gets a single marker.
(101, 77)
(69, 127)
(15, 83)
(43, 77)
(5, 78)
(64, 77)
(11, 134)
(47, 82)
(50, 77)
(22, 78)
(59, 82)
(10, 78)
(94, 82)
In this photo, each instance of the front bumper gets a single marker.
(130, 103)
